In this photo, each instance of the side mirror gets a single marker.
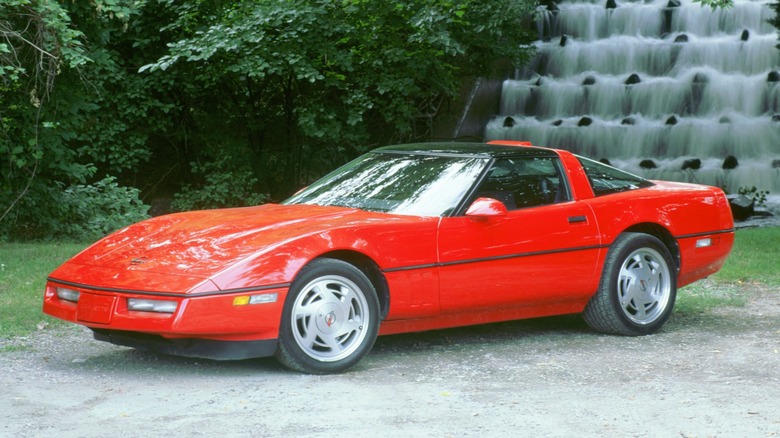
(486, 207)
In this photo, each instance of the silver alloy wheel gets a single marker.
(328, 318)
(644, 286)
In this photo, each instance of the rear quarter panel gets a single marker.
(689, 212)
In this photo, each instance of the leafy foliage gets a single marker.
(262, 95)
(715, 4)
(756, 195)
(42, 127)
(79, 212)
(227, 183)
(88, 212)
(775, 20)
(311, 74)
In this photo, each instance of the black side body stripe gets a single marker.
(708, 233)
(490, 259)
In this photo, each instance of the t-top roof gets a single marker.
(486, 150)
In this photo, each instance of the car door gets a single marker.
(544, 250)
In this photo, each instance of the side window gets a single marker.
(525, 182)
(606, 180)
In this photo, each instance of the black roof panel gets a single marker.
(469, 149)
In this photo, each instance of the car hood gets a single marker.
(201, 243)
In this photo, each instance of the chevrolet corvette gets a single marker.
(404, 238)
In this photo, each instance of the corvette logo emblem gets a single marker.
(330, 319)
(139, 261)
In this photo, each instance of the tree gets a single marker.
(36, 41)
(311, 79)
(775, 21)
(40, 123)
(223, 102)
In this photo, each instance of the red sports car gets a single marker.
(405, 238)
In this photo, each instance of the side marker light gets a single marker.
(243, 300)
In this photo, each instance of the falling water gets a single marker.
(653, 85)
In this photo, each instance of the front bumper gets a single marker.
(211, 316)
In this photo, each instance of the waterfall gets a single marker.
(653, 85)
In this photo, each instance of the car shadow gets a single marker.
(539, 333)
(484, 334)
(131, 361)
(140, 363)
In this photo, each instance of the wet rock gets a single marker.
(628, 121)
(585, 121)
(671, 121)
(605, 161)
(730, 162)
(666, 26)
(509, 122)
(552, 6)
(647, 164)
(700, 78)
(564, 40)
(773, 76)
(682, 38)
(724, 120)
(611, 4)
(538, 82)
(558, 122)
(633, 79)
(776, 118)
(693, 164)
(589, 80)
(745, 35)
(775, 164)
(742, 207)
(700, 81)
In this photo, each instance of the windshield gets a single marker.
(410, 184)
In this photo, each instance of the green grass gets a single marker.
(24, 268)
(23, 272)
(14, 348)
(705, 296)
(754, 259)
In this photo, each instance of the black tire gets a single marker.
(330, 318)
(637, 290)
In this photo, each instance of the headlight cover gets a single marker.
(66, 294)
(146, 305)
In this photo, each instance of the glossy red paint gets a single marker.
(511, 143)
(486, 207)
(485, 266)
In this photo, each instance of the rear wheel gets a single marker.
(330, 319)
(637, 290)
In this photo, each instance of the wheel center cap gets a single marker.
(643, 285)
(330, 319)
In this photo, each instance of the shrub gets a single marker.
(95, 210)
(225, 183)
(758, 196)
(80, 212)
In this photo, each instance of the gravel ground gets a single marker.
(708, 375)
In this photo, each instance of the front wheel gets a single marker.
(637, 290)
(330, 319)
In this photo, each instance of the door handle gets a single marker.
(577, 219)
